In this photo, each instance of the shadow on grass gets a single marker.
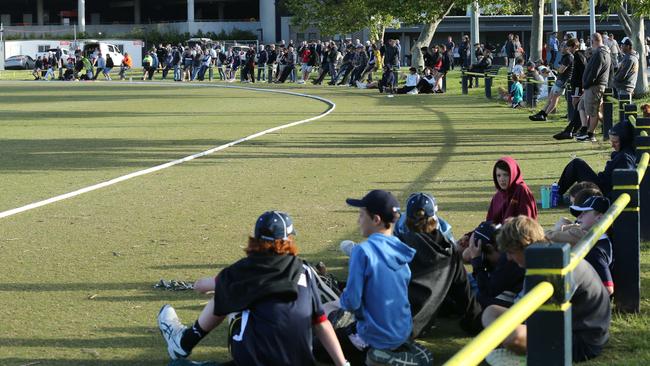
(24, 155)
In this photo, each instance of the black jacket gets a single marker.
(438, 277)
(625, 158)
(579, 64)
(505, 276)
(254, 278)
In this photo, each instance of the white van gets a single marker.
(105, 49)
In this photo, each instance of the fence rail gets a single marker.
(549, 271)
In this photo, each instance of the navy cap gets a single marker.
(596, 203)
(486, 232)
(273, 225)
(421, 201)
(378, 202)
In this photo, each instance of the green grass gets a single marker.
(77, 275)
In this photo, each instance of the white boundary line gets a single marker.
(156, 168)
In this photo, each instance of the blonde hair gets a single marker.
(518, 233)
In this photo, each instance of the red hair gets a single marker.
(272, 247)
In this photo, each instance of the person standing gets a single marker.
(594, 82)
(626, 75)
(262, 59)
(127, 64)
(510, 51)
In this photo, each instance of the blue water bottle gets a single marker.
(555, 194)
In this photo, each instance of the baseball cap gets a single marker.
(378, 202)
(421, 201)
(486, 232)
(273, 225)
(626, 41)
(596, 203)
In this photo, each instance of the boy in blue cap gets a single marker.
(275, 298)
(377, 287)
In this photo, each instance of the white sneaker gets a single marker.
(414, 91)
(504, 357)
(346, 247)
(172, 330)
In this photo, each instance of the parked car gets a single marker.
(105, 49)
(65, 53)
(203, 42)
(19, 62)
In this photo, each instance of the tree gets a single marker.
(347, 16)
(537, 31)
(341, 16)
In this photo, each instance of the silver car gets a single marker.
(19, 62)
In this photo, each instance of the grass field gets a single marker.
(78, 275)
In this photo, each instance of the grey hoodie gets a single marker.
(625, 78)
(598, 68)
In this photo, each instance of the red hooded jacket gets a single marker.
(514, 201)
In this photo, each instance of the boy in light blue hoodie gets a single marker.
(377, 286)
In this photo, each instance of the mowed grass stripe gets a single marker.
(91, 137)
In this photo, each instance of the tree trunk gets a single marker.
(424, 39)
(635, 30)
(537, 31)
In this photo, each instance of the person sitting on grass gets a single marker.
(588, 214)
(590, 307)
(570, 231)
(127, 64)
(621, 137)
(274, 295)
(376, 291)
(430, 82)
(512, 198)
(439, 281)
(516, 93)
(412, 80)
(496, 279)
(515, 96)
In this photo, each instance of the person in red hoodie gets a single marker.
(513, 197)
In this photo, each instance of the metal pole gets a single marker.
(555, 28)
(81, 15)
(474, 29)
(592, 17)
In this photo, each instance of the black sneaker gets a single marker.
(581, 133)
(564, 135)
(589, 137)
(537, 117)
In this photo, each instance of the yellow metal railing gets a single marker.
(476, 350)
